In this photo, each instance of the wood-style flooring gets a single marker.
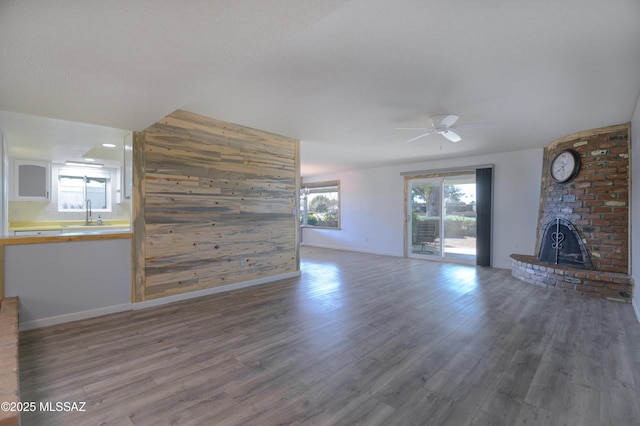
(358, 339)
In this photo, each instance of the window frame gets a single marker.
(319, 188)
(71, 172)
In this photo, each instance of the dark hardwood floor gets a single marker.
(357, 339)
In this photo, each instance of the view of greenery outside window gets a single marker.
(460, 215)
(74, 190)
(320, 204)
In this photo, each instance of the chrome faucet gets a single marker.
(87, 212)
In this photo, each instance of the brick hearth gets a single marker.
(599, 284)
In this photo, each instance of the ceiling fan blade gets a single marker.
(420, 136)
(413, 128)
(452, 136)
(445, 120)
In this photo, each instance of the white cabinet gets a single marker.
(32, 180)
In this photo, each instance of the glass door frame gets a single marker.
(441, 253)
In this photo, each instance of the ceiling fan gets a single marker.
(439, 124)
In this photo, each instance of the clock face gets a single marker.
(565, 166)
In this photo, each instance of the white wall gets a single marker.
(4, 163)
(372, 205)
(58, 282)
(635, 206)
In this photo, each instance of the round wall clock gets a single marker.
(565, 166)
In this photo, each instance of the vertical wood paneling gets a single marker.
(297, 201)
(137, 213)
(219, 205)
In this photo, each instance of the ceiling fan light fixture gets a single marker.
(443, 125)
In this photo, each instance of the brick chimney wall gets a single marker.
(597, 200)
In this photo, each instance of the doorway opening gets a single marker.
(442, 218)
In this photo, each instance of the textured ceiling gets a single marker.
(341, 76)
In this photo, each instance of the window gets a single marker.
(320, 204)
(78, 189)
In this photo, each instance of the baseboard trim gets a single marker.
(75, 316)
(212, 290)
(381, 253)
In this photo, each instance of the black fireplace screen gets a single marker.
(561, 245)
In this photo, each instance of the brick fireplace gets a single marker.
(594, 206)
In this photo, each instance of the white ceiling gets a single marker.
(339, 75)
(38, 138)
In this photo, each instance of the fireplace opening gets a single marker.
(561, 245)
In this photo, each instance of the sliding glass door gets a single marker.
(425, 220)
(442, 218)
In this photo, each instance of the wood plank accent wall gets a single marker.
(214, 204)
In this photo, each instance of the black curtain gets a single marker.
(484, 179)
